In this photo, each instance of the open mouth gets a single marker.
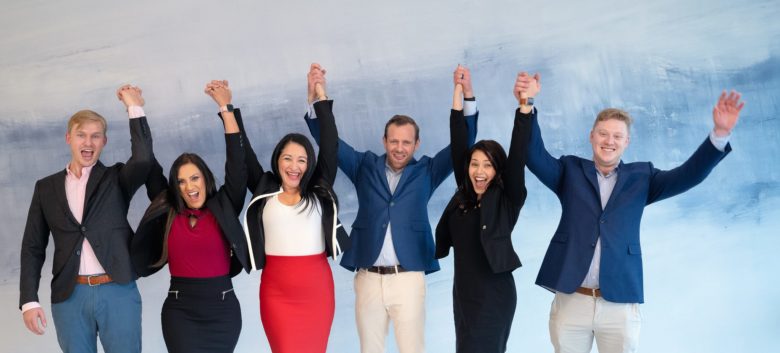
(193, 196)
(87, 153)
(293, 175)
(480, 183)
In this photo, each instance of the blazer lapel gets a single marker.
(62, 197)
(94, 180)
(381, 173)
(404, 176)
(622, 177)
(589, 169)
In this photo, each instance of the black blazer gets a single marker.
(264, 184)
(226, 204)
(104, 222)
(500, 207)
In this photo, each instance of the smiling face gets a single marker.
(481, 172)
(609, 139)
(292, 164)
(86, 141)
(192, 186)
(400, 144)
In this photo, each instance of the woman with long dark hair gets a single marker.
(477, 223)
(194, 228)
(292, 226)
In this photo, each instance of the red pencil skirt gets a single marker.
(297, 303)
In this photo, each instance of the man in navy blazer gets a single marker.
(392, 242)
(594, 261)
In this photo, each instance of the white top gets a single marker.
(290, 232)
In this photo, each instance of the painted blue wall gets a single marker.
(710, 254)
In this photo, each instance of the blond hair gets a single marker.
(613, 113)
(84, 116)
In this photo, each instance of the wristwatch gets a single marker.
(226, 108)
(529, 101)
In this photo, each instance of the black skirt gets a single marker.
(201, 315)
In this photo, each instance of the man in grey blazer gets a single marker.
(84, 208)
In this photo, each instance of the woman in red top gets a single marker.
(195, 229)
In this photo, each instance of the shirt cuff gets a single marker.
(135, 111)
(310, 110)
(719, 142)
(469, 108)
(30, 305)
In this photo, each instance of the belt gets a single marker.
(386, 270)
(94, 280)
(589, 291)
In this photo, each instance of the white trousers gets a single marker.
(575, 319)
(398, 297)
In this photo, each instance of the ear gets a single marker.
(416, 145)
(67, 138)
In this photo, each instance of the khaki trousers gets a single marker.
(575, 319)
(398, 297)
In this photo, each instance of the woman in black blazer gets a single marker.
(292, 225)
(477, 223)
(195, 229)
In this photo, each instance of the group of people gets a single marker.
(291, 227)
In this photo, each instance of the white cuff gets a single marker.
(719, 142)
(469, 108)
(135, 111)
(30, 305)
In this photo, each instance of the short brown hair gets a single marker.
(84, 116)
(613, 113)
(401, 120)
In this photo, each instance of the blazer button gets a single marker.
(392, 204)
(78, 252)
(484, 226)
(83, 229)
(603, 221)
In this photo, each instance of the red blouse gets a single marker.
(200, 251)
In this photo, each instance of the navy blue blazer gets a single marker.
(406, 209)
(574, 181)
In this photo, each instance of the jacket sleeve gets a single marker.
(458, 148)
(156, 182)
(667, 183)
(135, 172)
(540, 162)
(443, 161)
(514, 173)
(235, 171)
(327, 160)
(254, 170)
(34, 242)
(348, 159)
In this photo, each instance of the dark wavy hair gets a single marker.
(311, 185)
(467, 197)
(172, 196)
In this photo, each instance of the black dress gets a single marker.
(483, 302)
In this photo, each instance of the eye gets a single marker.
(180, 181)
(195, 178)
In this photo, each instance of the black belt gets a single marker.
(386, 270)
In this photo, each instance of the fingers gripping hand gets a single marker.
(130, 95)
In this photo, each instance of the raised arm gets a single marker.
(463, 129)
(668, 183)
(458, 130)
(540, 162)
(136, 170)
(327, 159)
(235, 166)
(348, 158)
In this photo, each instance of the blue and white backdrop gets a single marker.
(710, 255)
